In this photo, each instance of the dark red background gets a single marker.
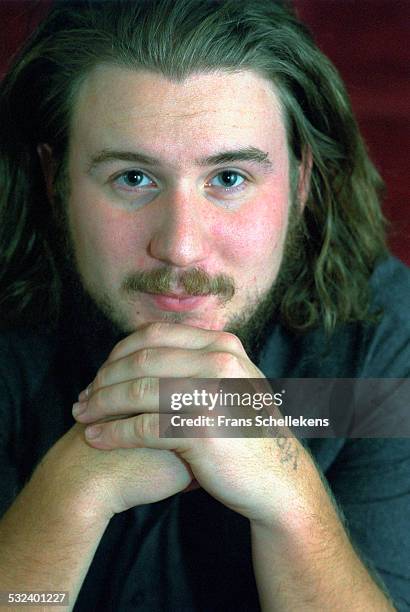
(368, 41)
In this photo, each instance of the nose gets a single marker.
(180, 236)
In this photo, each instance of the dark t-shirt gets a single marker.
(189, 552)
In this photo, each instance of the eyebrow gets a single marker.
(247, 154)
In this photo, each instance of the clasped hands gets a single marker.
(121, 408)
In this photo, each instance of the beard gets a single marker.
(104, 320)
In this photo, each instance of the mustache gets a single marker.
(193, 282)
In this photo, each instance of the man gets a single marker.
(186, 195)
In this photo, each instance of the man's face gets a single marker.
(178, 189)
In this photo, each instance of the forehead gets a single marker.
(121, 106)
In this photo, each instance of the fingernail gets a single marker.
(79, 408)
(93, 432)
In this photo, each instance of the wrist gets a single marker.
(66, 500)
(305, 505)
(305, 525)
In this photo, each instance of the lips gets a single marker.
(177, 302)
(179, 296)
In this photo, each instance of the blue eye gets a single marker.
(228, 179)
(132, 179)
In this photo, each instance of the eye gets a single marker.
(133, 179)
(228, 180)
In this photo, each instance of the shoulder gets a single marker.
(390, 283)
(387, 344)
(354, 350)
(25, 357)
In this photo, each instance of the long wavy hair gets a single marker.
(343, 230)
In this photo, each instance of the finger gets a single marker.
(137, 346)
(162, 334)
(125, 398)
(141, 431)
(151, 362)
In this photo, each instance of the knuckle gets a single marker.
(138, 389)
(141, 357)
(116, 430)
(230, 341)
(145, 427)
(97, 401)
(225, 363)
(155, 331)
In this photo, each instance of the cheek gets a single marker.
(253, 238)
(103, 236)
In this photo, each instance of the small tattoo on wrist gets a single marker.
(289, 452)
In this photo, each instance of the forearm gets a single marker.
(310, 564)
(47, 542)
